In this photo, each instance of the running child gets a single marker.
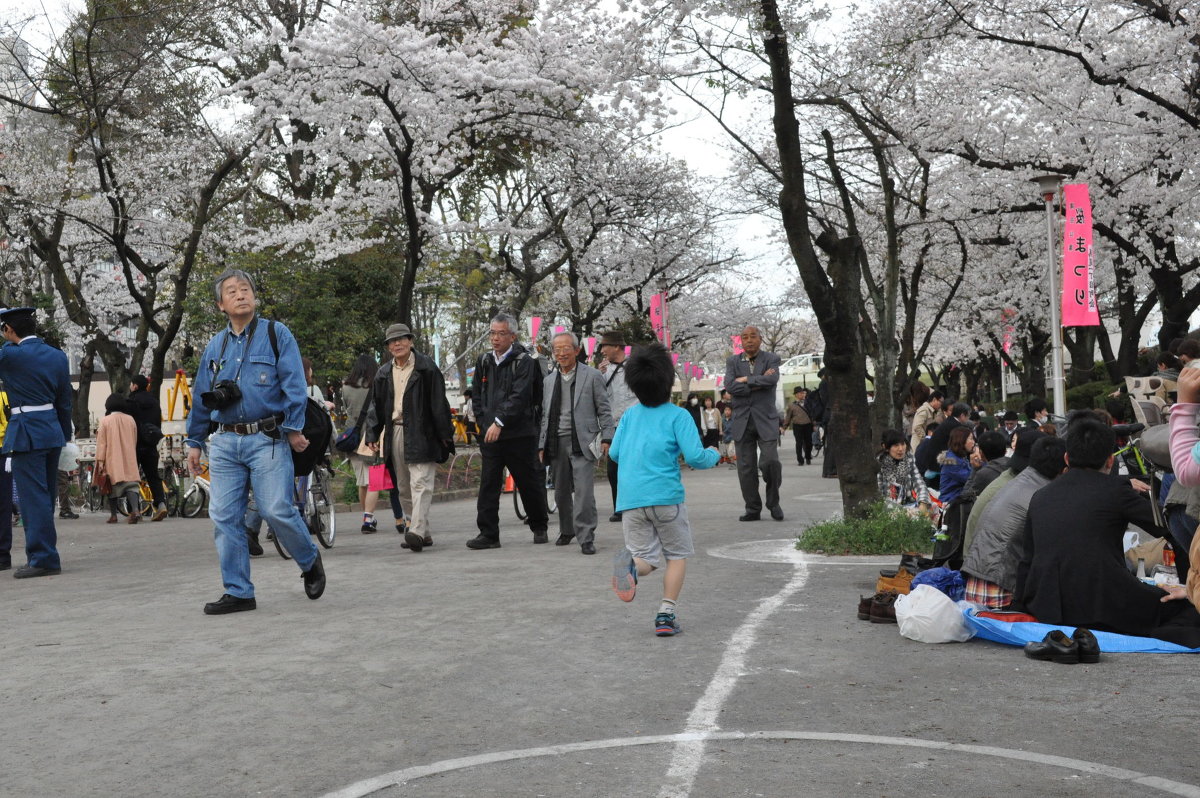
(649, 440)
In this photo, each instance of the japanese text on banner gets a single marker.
(1079, 287)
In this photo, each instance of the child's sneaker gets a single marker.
(624, 581)
(665, 625)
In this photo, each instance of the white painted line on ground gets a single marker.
(689, 755)
(400, 777)
(784, 551)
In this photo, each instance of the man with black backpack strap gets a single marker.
(506, 393)
(250, 409)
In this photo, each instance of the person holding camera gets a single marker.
(250, 412)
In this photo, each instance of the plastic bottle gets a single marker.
(1141, 569)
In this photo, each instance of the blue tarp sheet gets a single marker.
(1018, 634)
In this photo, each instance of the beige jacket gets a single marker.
(925, 414)
(116, 444)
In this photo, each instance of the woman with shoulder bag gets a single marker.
(356, 395)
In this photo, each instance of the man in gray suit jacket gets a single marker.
(751, 378)
(575, 416)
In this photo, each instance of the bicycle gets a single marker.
(195, 498)
(314, 498)
(1138, 465)
(551, 504)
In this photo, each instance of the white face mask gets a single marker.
(694, 400)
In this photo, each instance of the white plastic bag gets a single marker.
(928, 615)
(68, 457)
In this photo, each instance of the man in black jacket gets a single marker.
(506, 394)
(408, 399)
(147, 414)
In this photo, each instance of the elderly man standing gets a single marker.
(408, 398)
(575, 418)
(506, 394)
(751, 378)
(620, 398)
(37, 380)
(249, 409)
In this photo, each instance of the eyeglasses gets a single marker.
(560, 351)
(498, 333)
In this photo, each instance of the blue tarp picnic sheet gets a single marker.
(1018, 634)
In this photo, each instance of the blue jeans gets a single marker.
(237, 463)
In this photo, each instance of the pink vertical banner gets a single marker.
(590, 343)
(558, 328)
(535, 324)
(1078, 285)
(687, 368)
(737, 344)
(699, 372)
(674, 358)
(720, 380)
(657, 322)
(1008, 315)
(628, 351)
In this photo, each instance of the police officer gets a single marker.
(38, 383)
(250, 396)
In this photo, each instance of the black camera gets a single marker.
(222, 395)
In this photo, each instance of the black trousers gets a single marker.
(519, 455)
(147, 457)
(803, 433)
(611, 470)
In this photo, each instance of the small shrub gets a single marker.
(883, 530)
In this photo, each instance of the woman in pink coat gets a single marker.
(116, 455)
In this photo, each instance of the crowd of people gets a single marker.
(1034, 515)
(1027, 509)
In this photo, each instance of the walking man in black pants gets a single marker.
(620, 398)
(506, 394)
(148, 415)
(802, 425)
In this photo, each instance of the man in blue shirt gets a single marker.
(38, 382)
(250, 396)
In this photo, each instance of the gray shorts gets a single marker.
(651, 532)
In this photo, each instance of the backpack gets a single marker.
(318, 426)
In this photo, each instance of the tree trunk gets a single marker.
(1082, 347)
(80, 416)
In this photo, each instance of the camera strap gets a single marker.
(225, 342)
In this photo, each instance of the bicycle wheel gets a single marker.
(94, 499)
(551, 502)
(171, 491)
(518, 507)
(278, 546)
(319, 506)
(194, 501)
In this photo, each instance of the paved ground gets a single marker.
(515, 672)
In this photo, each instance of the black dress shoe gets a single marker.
(777, 513)
(1054, 647)
(541, 537)
(256, 548)
(749, 517)
(30, 571)
(614, 518)
(426, 541)
(480, 542)
(588, 548)
(227, 604)
(1089, 646)
(563, 540)
(413, 541)
(314, 579)
(68, 514)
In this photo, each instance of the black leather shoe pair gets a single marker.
(314, 579)
(480, 542)
(749, 517)
(413, 541)
(1057, 647)
(227, 604)
(425, 541)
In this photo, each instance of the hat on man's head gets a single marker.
(397, 331)
(9, 315)
(799, 388)
(1026, 438)
(614, 338)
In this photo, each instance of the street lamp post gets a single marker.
(1048, 186)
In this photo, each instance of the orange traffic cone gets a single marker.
(509, 485)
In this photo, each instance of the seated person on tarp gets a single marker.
(990, 567)
(1185, 460)
(1073, 571)
(922, 451)
(1017, 463)
(957, 465)
(899, 479)
(993, 446)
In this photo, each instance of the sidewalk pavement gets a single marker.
(516, 672)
